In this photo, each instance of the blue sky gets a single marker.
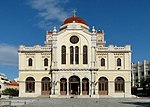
(26, 22)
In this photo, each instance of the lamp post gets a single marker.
(91, 83)
(54, 83)
(94, 84)
(50, 80)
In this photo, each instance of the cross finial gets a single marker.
(74, 12)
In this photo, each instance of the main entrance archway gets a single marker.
(74, 85)
(103, 86)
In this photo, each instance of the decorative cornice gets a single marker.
(100, 70)
(62, 70)
(40, 51)
(74, 69)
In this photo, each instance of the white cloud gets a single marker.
(8, 55)
(49, 10)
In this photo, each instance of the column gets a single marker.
(96, 88)
(92, 57)
(37, 88)
(54, 57)
(68, 88)
(22, 89)
(111, 88)
(81, 88)
(74, 56)
(127, 88)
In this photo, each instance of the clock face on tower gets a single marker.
(100, 38)
(74, 39)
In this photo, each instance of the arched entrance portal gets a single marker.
(63, 86)
(45, 86)
(74, 85)
(103, 86)
(85, 86)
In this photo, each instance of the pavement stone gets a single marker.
(89, 102)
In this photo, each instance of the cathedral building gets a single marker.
(75, 60)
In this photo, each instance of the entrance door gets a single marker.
(63, 86)
(45, 85)
(74, 88)
(85, 86)
(103, 86)
(74, 85)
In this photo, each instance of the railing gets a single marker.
(114, 48)
(35, 48)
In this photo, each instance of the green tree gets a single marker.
(10, 92)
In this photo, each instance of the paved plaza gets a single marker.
(90, 102)
(76, 102)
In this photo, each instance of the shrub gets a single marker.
(10, 92)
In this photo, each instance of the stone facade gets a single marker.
(75, 60)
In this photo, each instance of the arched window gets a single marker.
(45, 62)
(45, 85)
(63, 86)
(85, 55)
(119, 84)
(85, 86)
(76, 55)
(63, 55)
(71, 55)
(118, 62)
(102, 62)
(103, 86)
(30, 85)
(30, 62)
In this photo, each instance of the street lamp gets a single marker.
(54, 83)
(94, 84)
(50, 81)
(91, 83)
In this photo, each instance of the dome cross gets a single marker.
(74, 12)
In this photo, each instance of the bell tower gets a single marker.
(100, 39)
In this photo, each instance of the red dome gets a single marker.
(74, 18)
